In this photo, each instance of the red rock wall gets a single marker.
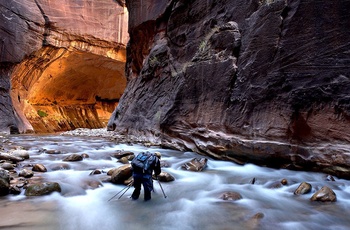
(61, 58)
(248, 81)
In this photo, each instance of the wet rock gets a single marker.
(231, 196)
(4, 182)
(121, 154)
(52, 151)
(254, 221)
(123, 160)
(195, 165)
(26, 173)
(325, 194)
(284, 182)
(131, 157)
(14, 190)
(9, 157)
(329, 178)
(90, 184)
(303, 188)
(21, 153)
(121, 174)
(95, 172)
(39, 168)
(165, 177)
(73, 157)
(42, 189)
(7, 166)
(111, 171)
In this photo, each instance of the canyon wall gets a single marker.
(261, 81)
(61, 63)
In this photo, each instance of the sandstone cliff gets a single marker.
(61, 62)
(263, 81)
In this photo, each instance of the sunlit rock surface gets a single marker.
(61, 62)
(249, 81)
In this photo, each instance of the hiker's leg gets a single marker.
(137, 185)
(148, 187)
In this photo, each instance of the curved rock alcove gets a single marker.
(62, 64)
(61, 90)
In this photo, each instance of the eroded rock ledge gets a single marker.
(256, 81)
(64, 62)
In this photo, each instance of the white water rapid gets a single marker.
(192, 199)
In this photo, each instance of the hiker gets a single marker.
(143, 165)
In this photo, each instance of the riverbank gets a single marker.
(330, 158)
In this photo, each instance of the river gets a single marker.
(192, 200)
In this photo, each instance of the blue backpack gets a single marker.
(142, 162)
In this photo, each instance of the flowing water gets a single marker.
(192, 199)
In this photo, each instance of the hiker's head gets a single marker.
(158, 154)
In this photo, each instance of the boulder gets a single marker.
(165, 177)
(121, 154)
(73, 157)
(121, 174)
(9, 157)
(42, 189)
(14, 190)
(95, 172)
(195, 165)
(230, 196)
(52, 151)
(325, 194)
(39, 168)
(4, 182)
(303, 188)
(21, 153)
(123, 160)
(26, 173)
(7, 166)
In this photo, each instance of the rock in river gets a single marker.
(4, 182)
(121, 174)
(73, 157)
(26, 173)
(42, 189)
(231, 196)
(195, 165)
(303, 188)
(325, 194)
(39, 168)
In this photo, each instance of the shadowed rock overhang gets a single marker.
(65, 63)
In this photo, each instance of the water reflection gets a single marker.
(192, 199)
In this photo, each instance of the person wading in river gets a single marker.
(143, 165)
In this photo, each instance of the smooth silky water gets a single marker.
(192, 199)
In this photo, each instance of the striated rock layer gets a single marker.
(61, 63)
(256, 81)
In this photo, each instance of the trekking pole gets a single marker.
(128, 186)
(124, 192)
(161, 187)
